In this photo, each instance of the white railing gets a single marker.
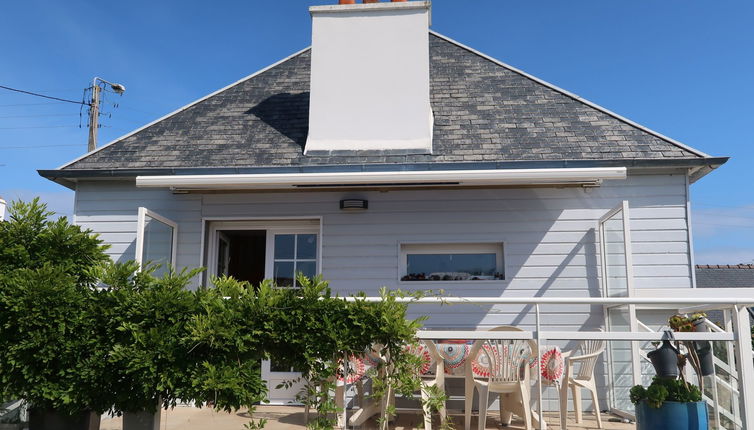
(738, 333)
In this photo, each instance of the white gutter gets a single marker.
(566, 176)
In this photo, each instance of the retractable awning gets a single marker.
(426, 178)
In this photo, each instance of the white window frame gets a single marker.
(497, 247)
(269, 262)
(141, 224)
(624, 209)
(273, 226)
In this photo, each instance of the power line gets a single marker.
(38, 146)
(725, 225)
(138, 110)
(44, 96)
(40, 126)
(43, 115)
(28, 104)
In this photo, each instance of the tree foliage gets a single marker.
(30, 238)
(146, 321)
(50, 334)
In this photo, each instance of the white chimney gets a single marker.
(370, 78)
(2, 209)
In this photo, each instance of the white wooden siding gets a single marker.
(548, 234)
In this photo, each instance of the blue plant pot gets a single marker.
(672, 416)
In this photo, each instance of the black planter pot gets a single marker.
(704, 352)
(50, 419)
(665, 360)
(142, 420)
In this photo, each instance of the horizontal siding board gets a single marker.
(645, 249)
(501, 206)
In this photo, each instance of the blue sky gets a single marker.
(681, 68)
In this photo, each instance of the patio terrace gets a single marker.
(729, 397)
(292, 418)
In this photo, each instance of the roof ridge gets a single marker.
(725, 266)
(183, 108)
(573, 96)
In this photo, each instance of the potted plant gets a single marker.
(698, 353)
(669, 404)
(51, 342)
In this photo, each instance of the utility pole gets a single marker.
(94, 108)
(93, 117)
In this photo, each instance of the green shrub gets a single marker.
(226, 343)
(51, 335)
(50, 350)
(148, 317)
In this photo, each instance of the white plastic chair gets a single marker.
(589, 352)
(509, 376)
(434, 379)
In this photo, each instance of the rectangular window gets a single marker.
(294, 253)
(452, 262)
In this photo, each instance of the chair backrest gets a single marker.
(502, 367)
(437, 364)
(587, 366)
(508, 359)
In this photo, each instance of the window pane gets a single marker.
(616, 274)
(158, 244)
(222, 257)
(283, 275)
(449, 267)
(306, 246)
(277, 366)
(284, 245)
(308, 268)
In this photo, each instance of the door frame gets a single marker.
(212, 229)
(211, 226)
(633, 322)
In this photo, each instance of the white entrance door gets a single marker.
(624, 370)
(289, 251)
(156, 240)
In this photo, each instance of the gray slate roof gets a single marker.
(484, 112)
(725, 276)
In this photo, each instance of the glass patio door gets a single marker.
(156, 240)
(289, 251)
(624, 369)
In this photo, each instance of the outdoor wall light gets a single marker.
(354, 205)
